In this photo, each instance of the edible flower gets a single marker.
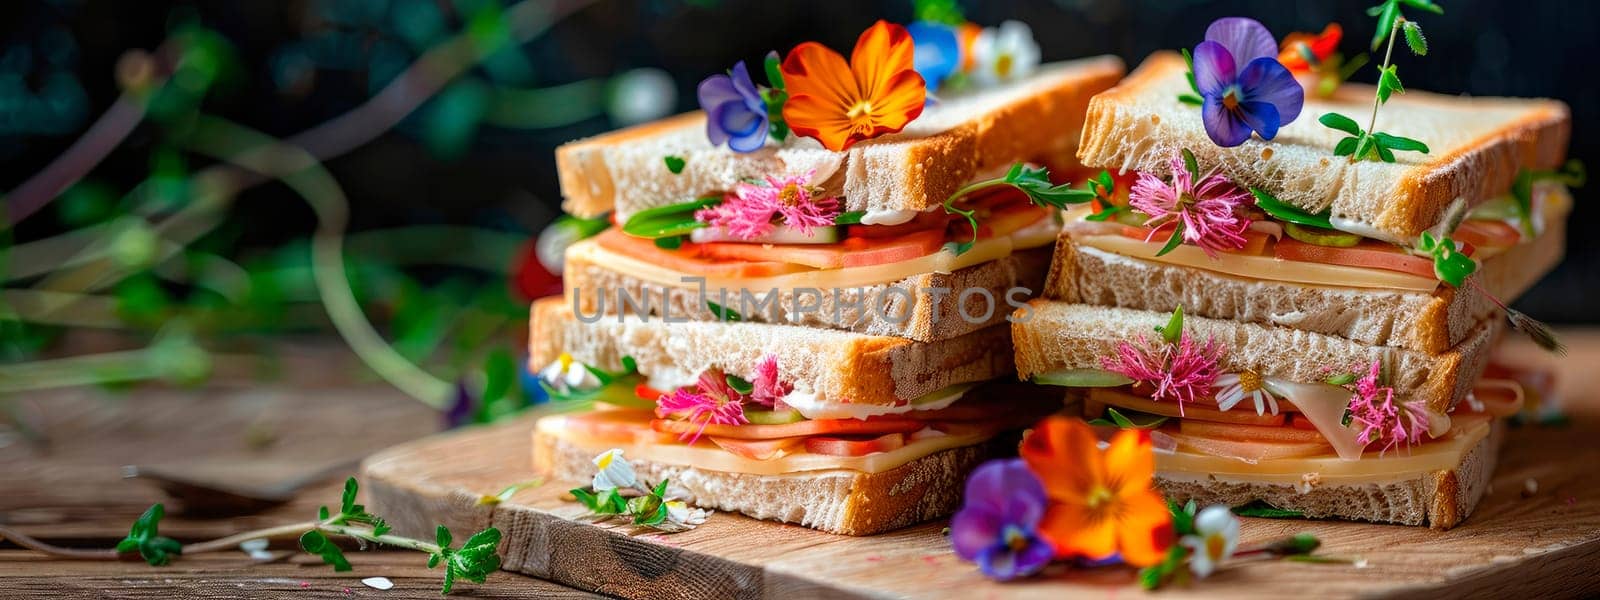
(1006, 53)
(839, 103)
(1215, 539)
(1182, 371)
(680, 514)
(1303, 52)
(1099, 503)
(613, 472)
(1383, 420)
(938, 52)
(768, 389)
(1260, 97)
(1235, 387)
(735, 113)
(749, 212)
(1208, 209)
(998, 524)
(564, 374)
(711, 402)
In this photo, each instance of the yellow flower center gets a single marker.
(861, 108)
(1230, 100)
(1250, 381)
(1214, 546)
(605, 460)
(1003, 64)
(565, 360)
(1015, 539)
(1099, 496)
(789, 195)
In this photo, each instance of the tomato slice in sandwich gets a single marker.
(873, 426)
(757, 449)
(840, 446)
(1485, 233)
(853, 252)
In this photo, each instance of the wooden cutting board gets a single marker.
(1517, 544)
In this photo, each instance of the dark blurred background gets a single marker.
(468, 156)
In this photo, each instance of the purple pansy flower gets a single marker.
(1261, 97)
(735, 113)
(997, 526)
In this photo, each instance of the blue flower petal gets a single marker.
(1222, 125)
(1261, 117)
(1246, 39)
(747, 88)
(1034, 557)
(1213, 68)
(998, 562)
(938, 52)
(752, 141)
(973, 529)
(715, 90)
(1267, 80)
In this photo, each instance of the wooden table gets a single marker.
(66, 487)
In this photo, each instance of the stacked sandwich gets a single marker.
(1297, 321)
(800, 317)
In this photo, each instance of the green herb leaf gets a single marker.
(314, 542)
(1384, 153)
(671, 242)
(1125, 422)
(1346, 147)
(1365, 147)
(723, 313)
(586, 498)
(1109, 211)
(350, 512)
(1341, 379)
(1389, 82)
(1191, 165)
(1188, 63)
(1187, 98)
(1341, 123)
(1449, 265)
(739, 384)
(1174, 241)
(1036, 184)
(1263, 510)
(1182, 517)
(1297, 544)
(849, 218)
(1386, 14)
(674, 163)
(773, 65)
(506, 493)
(474, 561)
(669, 220)
(1427, 5)
(1173, 331)
(1403, 144)
(1284, 211)
(143, 537)
(1414, 38)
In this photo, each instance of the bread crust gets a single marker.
(841, 501)
(1430, 323)
(1036, 119)
(925, 318)
(1478, 145)
(1438, 499)
(1060, 335)
(836, 366)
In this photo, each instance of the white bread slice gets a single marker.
(1426, 322)
(1477, 145)
(1060, 335)
(836, 366)
(1439, 499)
(841, 501)
(925, 320)
(953, 140)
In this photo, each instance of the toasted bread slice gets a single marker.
(904, 308)
(836, 366)
(916, 169)
(1050, 336)
(1477, 145)
(1426, 322)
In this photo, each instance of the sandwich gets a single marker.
(803, 319)
(1301, 311)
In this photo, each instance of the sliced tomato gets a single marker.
(1299, 422)
(1369, 253)
(1249, 433)
(758, 449)
(841, 446)
(688, 258)
(893, 250)
(1255, 242)
(1007, 220)
(853, 252)
(935, 219)
(1190, 410)
(1250, 451)
(875, 425)
(1486, 233)
(610, 425)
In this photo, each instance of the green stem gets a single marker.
(365, 533)
(1376, 99)
(231, 542)
(975, 186)
(128, 365)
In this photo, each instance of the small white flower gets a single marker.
(1234, 387)
(1216, 537)
(1006, 53)
(613, 472)
(681, 513)
(566, 374)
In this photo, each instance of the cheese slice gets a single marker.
(707, 456)
(944, 261)
(1261, 267)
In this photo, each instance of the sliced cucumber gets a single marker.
(621, 394)
(781, 234)
(773, 417)
(1321, 237)
(943, 393)
(1082, 378)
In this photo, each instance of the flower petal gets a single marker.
(715, 90)
(901, 101)
(881, 53)
(973, 529)
(812, 69)
(818, 118)
(733, 118)
(1072, 531)
(1246, 39)
(1266, 80)
(1064, 454)
(1131, 460)
(752, 141)
(1223, 127)
(1261, 117)
(746, 88)
(1145, 528)
(1214, 69)
(1034, 557)
(937, 51)
(998, 562)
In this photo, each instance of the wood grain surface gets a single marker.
(1516, 544)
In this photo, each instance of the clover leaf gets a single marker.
(143, 538)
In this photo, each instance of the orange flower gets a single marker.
(840, 104)
(1100, 503)
(1321, 46)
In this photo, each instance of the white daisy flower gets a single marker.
(1234, 387)
(1004, 53)
(566, 374)
(681, 513)
(1216, 537)
(614, 472)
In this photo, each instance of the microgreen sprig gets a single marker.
(774, 97)
(1172, 568)
(1370, 144)
(647, 509)
(1035, 183)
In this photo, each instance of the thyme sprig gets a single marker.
(1035, 183)
(1370, 144)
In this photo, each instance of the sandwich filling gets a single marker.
(763, 425)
